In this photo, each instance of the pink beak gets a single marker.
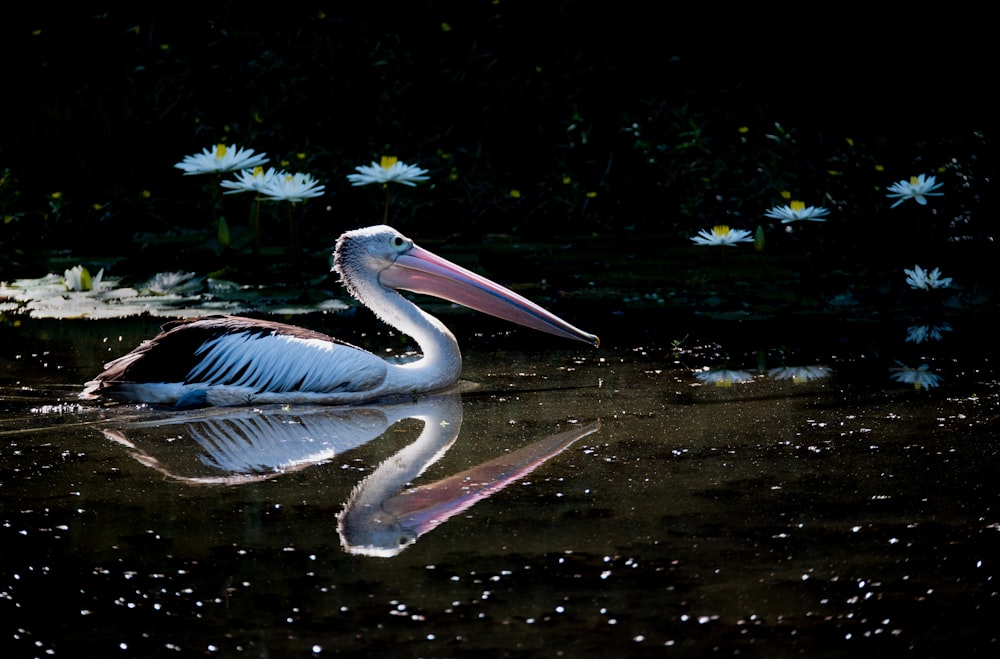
(420, 271)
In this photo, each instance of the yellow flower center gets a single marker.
(720, 231)
(388, 161)
(797, 206)
(220, 150)
(258, 172)
(914, 180)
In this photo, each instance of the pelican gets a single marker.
(230, 360)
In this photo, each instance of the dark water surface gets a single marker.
(626, 501)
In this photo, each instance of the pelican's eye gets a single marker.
(399, 243)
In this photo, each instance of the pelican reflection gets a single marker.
(385, 512)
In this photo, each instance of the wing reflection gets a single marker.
(383, 514)
(248, 445)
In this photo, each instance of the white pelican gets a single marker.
(228, 360)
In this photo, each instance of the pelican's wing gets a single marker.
(229, 350)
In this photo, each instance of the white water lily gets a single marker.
(921, 377)
(918, 188)
(171, 283)
(724, 377)
(252, 180)
(921, 333)
(221, 158)
(799, 374)
(390, 170)
(797, 211)
(78, 279)
(722, 235)
(924, 280)
(292, 187)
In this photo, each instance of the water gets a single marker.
(564, 502)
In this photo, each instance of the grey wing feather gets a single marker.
(283, 362)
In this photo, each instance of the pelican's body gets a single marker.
(228, 360)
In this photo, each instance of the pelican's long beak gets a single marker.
(420, 271)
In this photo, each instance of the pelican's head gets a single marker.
(381, 256)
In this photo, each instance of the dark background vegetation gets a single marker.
(618, 122)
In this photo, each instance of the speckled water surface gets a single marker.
(694, 487)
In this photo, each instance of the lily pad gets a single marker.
(165, 295)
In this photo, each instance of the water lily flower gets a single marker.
(389, 170)
(221, 158)
(921, 377)
(724, 377)
(799, 374)
(917, 188)
(78, 278)
(921, 333)
(252, 180)
(292, 187)
(722, 235)
(796, 211)
(171, 283)
(922, 279)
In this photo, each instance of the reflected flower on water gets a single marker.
(78, 279)
(799, 374)
(724, 377)
(722, 235)
(389, 170)
(921, 377)
(922, 279)
(219, 159)
(797, 211)
(918, 188)
(921, 333)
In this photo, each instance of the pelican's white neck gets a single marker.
(441, 362)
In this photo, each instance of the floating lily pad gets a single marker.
(164, 295)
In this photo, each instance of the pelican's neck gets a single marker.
(441, 362)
